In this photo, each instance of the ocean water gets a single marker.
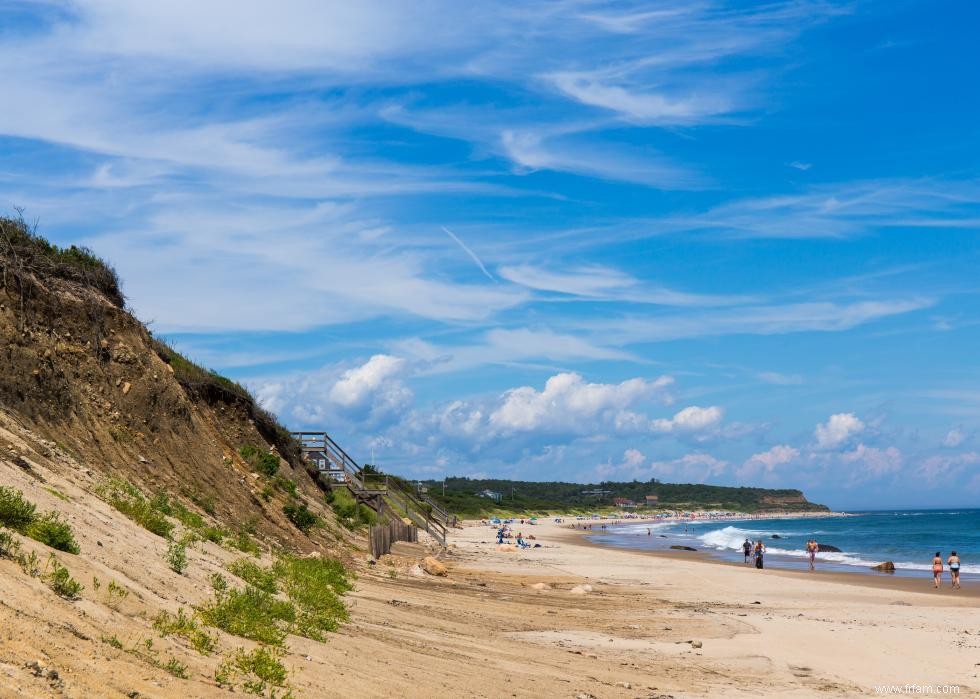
(907, 538)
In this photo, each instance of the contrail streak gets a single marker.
(470, 253)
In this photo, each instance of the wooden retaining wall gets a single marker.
(382, 536)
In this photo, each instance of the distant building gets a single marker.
(492, 494)
(652, 500)
(597, 493)
(625, 503)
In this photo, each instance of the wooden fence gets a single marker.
(382, 536)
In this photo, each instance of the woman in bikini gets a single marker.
(954, 569)
(937, 569)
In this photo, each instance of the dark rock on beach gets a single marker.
(886, 567)
(827, 548)
(683, 548)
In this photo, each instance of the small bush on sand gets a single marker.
(129, 500)
(177, 557)
(299, 514)
(9, 546)
(187, 627)
(255, 575)
(314, 586)
(175, 668)
(61, 581)
(53, 531)
(15, 512)
(250, 613)
(262, 462)
(259, 671)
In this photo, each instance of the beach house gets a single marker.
(624, 503)
(652, 501)
(492, 494)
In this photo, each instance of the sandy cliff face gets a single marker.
(81, 372)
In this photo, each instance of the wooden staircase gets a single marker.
(334, 468)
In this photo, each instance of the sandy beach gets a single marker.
(615, 623)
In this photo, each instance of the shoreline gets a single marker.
(684, 624)
(868, 578)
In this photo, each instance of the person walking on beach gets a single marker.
(760, 551)
(747, 549)
(937, 569)
(811, 551)
(954, 569)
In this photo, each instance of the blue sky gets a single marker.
(699, 241)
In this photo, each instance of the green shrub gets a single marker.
(52, 531)
(187, 627)
(250, 613)
(300, 515)
(175, 668)
(187, 517)
(248, 453)
(29, 563)
(259, 670)
(112, 641)
(213, 534)
(129, 500)
(350, 513)
(286, 485)
(244, 543)
(176, 557)
(15, 512)
(61, 581)
(218, 583)
(9, 546)
(255, 575)
(314, 586)
(267, 464)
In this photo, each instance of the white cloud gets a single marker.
(531, 151)
(872, 461)
(769, 461)
(941, 468)
(643, 106)
(631, 466)
(690, 419)
(696, 468)
(774, 377)
(362, 384)
(837, 430)
(954, 438)
(568, 403)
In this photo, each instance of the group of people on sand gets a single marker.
(756, 551)
(954, 569)
(504, 532)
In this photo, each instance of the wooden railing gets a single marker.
(374, 488)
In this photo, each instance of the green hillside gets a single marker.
(463, 496)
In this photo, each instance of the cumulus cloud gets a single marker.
(630, 467)
(768, 461)
(568, 403)
(954, 438)
(939, 468)
(873, 462)
(837, 430)
(691, 419)
(696, 468)
(362, 383)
